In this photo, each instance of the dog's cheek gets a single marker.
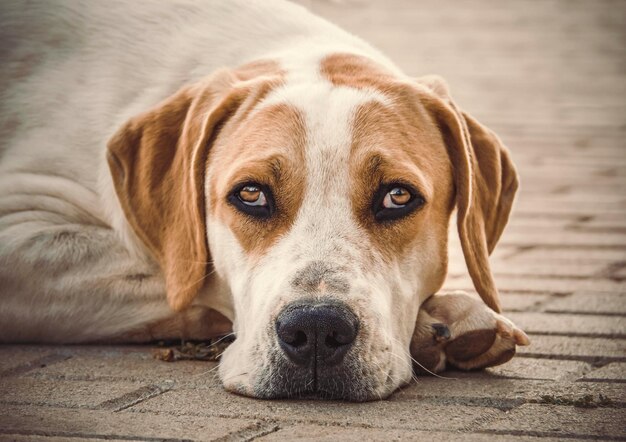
(234, 371)
(425, 266)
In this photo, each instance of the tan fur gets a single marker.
(267, 148)
(389, 147)
(356, 71)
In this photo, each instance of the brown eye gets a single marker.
(253, 199)
(252, 195)
(396, 198)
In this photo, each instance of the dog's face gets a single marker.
(324, 204)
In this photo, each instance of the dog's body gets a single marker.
(99, 243)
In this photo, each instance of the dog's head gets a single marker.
(322, 201)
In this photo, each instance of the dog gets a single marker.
(182, 169)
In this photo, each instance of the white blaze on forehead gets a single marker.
(328, 111)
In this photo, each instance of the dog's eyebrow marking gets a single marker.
(319, 276)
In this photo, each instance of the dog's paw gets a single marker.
(459, 330)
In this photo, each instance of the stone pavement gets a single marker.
(550, 78)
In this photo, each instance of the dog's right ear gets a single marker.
(485, 184)
(157, 161)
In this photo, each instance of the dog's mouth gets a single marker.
(351, 381)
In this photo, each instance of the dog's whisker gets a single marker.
(407, 353)
(234, 376)
(198, 280)
(221, 339)
(206, 372)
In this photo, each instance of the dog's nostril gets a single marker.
(292, 336)
(331, 340)
(299, 339)
(335, 340)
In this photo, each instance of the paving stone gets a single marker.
(574, 196)
(547, 323)
(33, 438)
(567, 255)
(525, 224)
(599, 303)
(321, 433)
(69, 423)
(546, 369)
(562, 421)
(553, 285)
(487, 390)
(533, 207)
(26, 390)
(615, 371)
(604, 220)
(620, 273)
(111, 363)
(13, 356)
(534, 269)
(398, 415)
(575, 347)
(546, 269)
(522, 301)
(560, 237)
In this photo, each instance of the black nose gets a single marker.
(310, 332)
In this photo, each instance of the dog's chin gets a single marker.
(351, 381)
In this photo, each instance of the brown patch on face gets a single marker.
(266, 147)
(398, 145)
(356, 71)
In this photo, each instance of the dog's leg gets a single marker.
(194, 323)
(459, 330)
(77, 283)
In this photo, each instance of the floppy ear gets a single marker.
(485, 181)
(157, 161)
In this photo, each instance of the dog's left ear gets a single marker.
(485, 182)
(157, 162)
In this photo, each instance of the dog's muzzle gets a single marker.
(316, 335)
(319, 352)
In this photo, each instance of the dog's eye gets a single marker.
(252, 199)
(394, 201)
(252, 195)
(396, 198)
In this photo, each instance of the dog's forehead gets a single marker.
(328, 110)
